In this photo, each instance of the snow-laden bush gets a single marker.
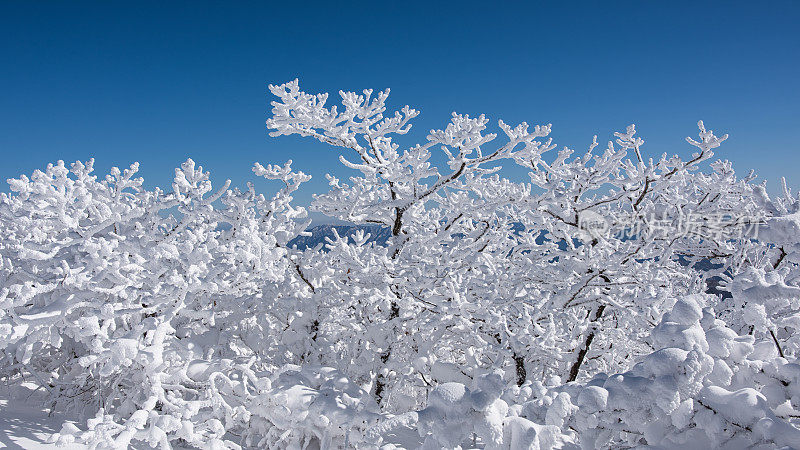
(491, 315)
(111, 305)
(563, 275)
(291, 408)
(704, 387)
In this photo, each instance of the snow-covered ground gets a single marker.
(25, 423)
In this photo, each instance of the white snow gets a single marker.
(25, 423)
(490, 318)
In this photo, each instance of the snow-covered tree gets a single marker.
(491, 317)
(116, 308)
(567, 271)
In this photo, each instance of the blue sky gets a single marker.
(157, 83)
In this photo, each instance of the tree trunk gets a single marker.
(522, 374)
(576, 366)
(777, 344)
(380, 380)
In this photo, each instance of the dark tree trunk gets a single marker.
(777, 344)
(576, 366)
(522, 374)
(380, 380)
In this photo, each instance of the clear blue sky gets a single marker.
(156, 83)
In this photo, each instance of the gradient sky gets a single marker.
(157, 83)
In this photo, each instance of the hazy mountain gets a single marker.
(381, 234)
(319, 233)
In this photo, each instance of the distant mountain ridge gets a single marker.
(380, 235)
(377, 233)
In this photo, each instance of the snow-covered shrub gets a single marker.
(562, 275)
(704, 387)
(765, 293)
(455, 414)
(491, 315)
(111, 304)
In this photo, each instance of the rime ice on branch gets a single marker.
(491, 317)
